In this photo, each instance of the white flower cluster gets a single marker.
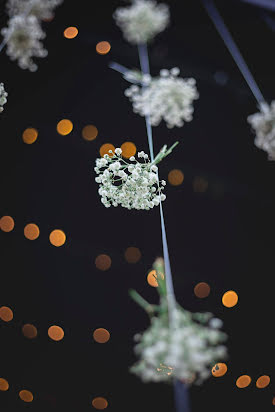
(42, 9)
(3, 97)
(186, 352)
(23, 36)
(142, 21)
(132, 185)
(168, 97)
(263, 124)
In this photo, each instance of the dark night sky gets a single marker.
(223, 236)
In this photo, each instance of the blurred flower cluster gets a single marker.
(167, 97)
(42, 9)
(142, 20)
(3, 97)
(263, 124)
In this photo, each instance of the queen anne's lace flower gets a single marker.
(263, 124)
(142, 21)
(132, 185)
(42, 9)
(186, 352)
(3, 97)
(167, 97)
(23, 36)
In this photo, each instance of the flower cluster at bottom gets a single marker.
(132, 185)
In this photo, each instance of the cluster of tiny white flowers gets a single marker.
(186, 352)
(133, 185)
(42, 9)
(263, 123)
(3, 97)
(23, 36)
(142, 20)
(168, 97)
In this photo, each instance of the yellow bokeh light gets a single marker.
(4, 385)
(29, 135)
(230, 298)
(152, 278)
(56, 333)
(26, 396)
(132, 254)
(6, 223)
(243, 381)
(263, 381)
(29, 331)
(64, 127)
(57, 237)
(6, 314)
(103, 262)
(31, 231)
(99, 403)
(105, 149)
(70, 32)
(89, 132)
(103, 47)
(101, 335)
(219, 370)
(202, 290)
(175, 177)
(128, 149)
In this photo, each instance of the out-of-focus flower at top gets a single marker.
(42, 9)
(142, 20)
(263, 124)
(3, 97)
(168, 97)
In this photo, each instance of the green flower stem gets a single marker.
(163, 153)
(142, 302)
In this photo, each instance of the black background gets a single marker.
(223, 236)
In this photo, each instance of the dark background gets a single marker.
(223, 236)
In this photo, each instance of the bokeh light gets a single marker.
(103, 47)
(89, 132)
(101, 335)
(6, 314)
(175, 177)
(219, 370)
(70, 32)
(243, 381)
(29, 331)
(263, 381)
(99, 403)
(202, 290)
(64, 127)
(57, 237)
(4, 385)
(105, 149)
(6, 223)
(103, 262)
(273, 401)
(132, 254)
(26, 396)
(31, 231)
(152, 280)
(200, 184)
(128, 149)
(56, 333)
(29, 135)
(230, 298)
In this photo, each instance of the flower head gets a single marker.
(3, 97)
(263, 123)
(142, 20)
(168, 97)
(42, 9)
(132, 185)
(23, 36)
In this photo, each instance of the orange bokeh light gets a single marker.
(230, 298)
(263, 381)
(200, 184)
(101, 335)
(175, 177)
(103, 47)
(6, 223)
(128, 149)
(56, 333)
(152, 278)
(4, 385)
(99, 403)
(31, 231)
(105, 149)
(26, 396)
(132, 254)
(64, 127)
(29, 331)
(243, 381)
(70, 32)
(89, 132)
(103, 262)
(219, 370)
(29, 135)
(57, 237)
(6, 314)
(273, 401)
(202, 290)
